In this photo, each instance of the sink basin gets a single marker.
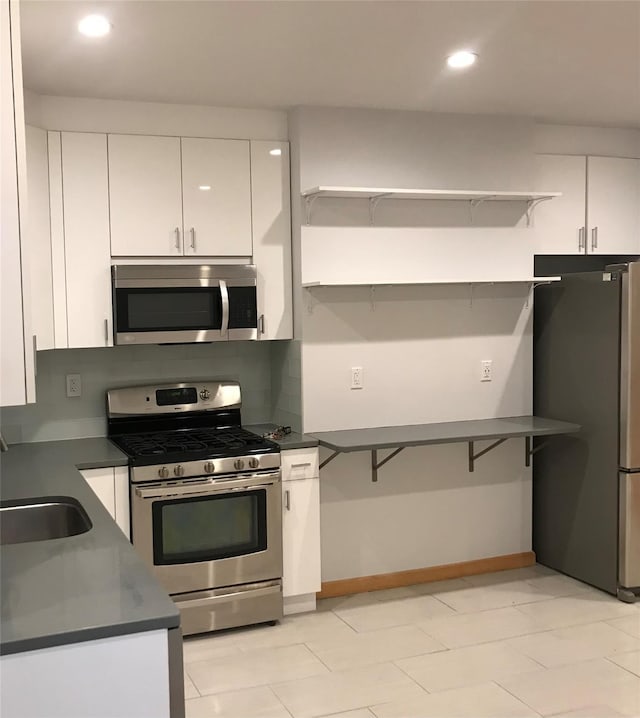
(43, 519)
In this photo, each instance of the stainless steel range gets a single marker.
(206, 506)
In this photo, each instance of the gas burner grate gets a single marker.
(189, 441)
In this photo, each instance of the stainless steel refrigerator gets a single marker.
(586, 487)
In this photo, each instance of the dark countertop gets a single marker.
(387, 437)
(80, 588)
(290, 441)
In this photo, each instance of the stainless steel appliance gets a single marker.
(206, 507)
(168, 304)
(586, 488)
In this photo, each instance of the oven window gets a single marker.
(152, 310)
(206, 528)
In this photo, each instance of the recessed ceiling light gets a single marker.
(276, 153)
(94, 26)
(464, 58)
(204, 186)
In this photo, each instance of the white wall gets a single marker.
(383, 148)
(153, 118)
(420, 346)
(572, 140)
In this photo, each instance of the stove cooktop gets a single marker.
(145, 449)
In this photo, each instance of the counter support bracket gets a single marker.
(529, 451)
(375, 464)
(328, 459)
(473, 457)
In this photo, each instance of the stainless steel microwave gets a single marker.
(177, 304)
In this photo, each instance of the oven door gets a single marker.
(209, 533)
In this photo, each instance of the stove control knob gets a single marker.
(205, 394)
(238, 464)
(209, 467)
(254, 463)
(178, 470)
(163, 473)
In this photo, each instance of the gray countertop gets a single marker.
(387, 437)
(80, 588)
(290, 441)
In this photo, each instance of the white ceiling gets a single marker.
(561, 61)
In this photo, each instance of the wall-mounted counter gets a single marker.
(450, 432)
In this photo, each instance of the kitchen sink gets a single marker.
(41, 520)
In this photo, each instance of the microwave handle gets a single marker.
(224, 294)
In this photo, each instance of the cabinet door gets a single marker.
(85, 200)
(271, 213)
(17, 375)
(39, 237)
(613, 205)
(122, 499)
(145, 196)
(216, 197)
(101, 482)
(560, 223)
(301, 537)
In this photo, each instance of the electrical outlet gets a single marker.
(356, 377)
(486, 366)
(74, 385)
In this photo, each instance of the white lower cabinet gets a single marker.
(111, 486)
(301, 577)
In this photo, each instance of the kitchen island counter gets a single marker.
(85, 587)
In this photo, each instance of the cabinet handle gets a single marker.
(299, 466)
(581, 239)
(287, 500)
(106, 331)
(35, 355)
(594, 238)
(177, 231)
(261, 323)
(192, 231)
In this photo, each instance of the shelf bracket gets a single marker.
(375, 464)
(373, 203)
(473, 457)
(328, 459)
(532, 286)
(308, 205)
(476, 203)
(529, 451)
(531, 205)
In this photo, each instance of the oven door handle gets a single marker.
(210, 487)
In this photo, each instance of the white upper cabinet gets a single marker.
(39, 236)
(560, 224)
(145, 196)
(86, 239)
(599, 210)
(216, 196)
(613, 205)
(271, 218)
(17, 375)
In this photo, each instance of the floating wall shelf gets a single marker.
(375, 194)
(523, 280)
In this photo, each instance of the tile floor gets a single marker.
(528, 642)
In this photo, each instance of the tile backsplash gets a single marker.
(54, 416)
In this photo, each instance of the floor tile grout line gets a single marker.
(496, 681)
(624, 668)
(277, 697)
